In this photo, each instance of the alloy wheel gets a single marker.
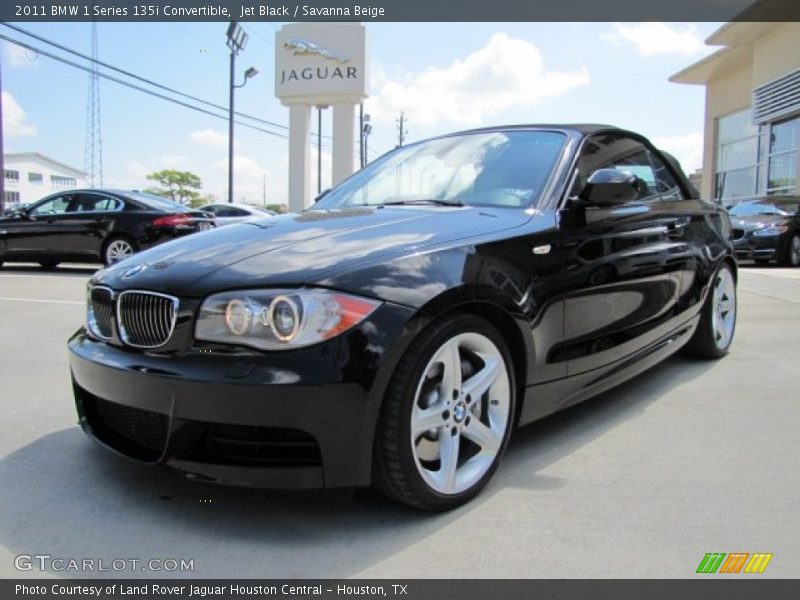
(460, 413)
(118, 250)
(724, 308)
(794, 251)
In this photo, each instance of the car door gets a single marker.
(621, 264)
(87, 221)
(35, 231)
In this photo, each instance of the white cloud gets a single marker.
(658, 39)
(688, 149)
(243, 166)
(209, 137)
(17, 56)
(15, 121)
(505, 73)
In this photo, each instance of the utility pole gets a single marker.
(361, 134)
(93, 150)
(237, 40)
(401, 129)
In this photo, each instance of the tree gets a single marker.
(178, 186)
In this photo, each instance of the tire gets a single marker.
(714, 334)
(48, 264)
(471, 431)
(791, 258)
(117, 248)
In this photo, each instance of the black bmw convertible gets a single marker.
(396, 333)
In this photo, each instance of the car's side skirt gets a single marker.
(546, 398)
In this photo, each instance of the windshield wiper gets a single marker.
(424, 201)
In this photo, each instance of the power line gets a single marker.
(134, 76)
(136, 87)
(93, 70)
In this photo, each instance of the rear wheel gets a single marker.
(447, 415)
(714, 333)
(116, 249)
(791, 257)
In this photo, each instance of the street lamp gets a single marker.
(237, 40)
(365, 131)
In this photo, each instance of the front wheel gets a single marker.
(447, 415)
(714, 334)
(792, 256)
(117, 249)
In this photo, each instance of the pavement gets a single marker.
(688, 458)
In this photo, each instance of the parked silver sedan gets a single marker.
(228, 214)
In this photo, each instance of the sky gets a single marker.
(445, 77)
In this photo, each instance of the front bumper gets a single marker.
(296, 419)
(752, 247)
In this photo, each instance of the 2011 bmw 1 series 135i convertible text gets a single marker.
(398, 331)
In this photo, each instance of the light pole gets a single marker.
(237, 40)
(365, 131)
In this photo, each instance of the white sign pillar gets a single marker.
(320, 64)
(299, 155)
(344, 139)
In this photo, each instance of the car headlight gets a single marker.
(771, 230)
(279, 319)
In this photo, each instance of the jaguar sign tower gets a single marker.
(320, 64)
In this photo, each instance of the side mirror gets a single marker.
(610, 187)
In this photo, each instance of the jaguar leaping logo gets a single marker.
(307, 48)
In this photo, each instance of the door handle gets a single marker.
(677, 229)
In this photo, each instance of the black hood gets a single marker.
(299, 249)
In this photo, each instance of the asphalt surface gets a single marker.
(691, 457)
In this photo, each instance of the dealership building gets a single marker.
(752, 115)
(30, 176)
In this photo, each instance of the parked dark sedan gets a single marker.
(397, 332)
(94, 226)
(766, 229)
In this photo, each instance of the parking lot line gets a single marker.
(9, 299)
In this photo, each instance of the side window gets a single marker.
(52, 206)
(615, 151)
(96, 203)
(213, 209)
(667, 184)
(238, 212)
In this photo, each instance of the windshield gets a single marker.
(750, 209)
(482, 169)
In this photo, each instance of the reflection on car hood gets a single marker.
(297, 249)
(757, 221)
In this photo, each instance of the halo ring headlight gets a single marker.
(238, 316)
(284, 318)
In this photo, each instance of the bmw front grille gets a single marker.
(146, 319)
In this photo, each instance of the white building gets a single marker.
(30, 176)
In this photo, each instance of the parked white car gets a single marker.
(227, 214)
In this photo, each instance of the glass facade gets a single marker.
(737, 156)
(784, 141)
(753, 160)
